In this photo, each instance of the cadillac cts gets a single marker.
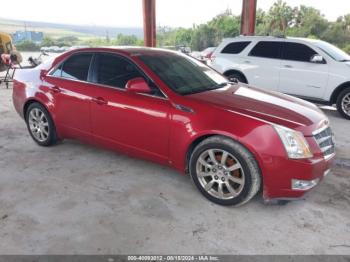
(231, 138)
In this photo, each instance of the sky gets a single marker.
(128, 13)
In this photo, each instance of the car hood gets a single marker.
(266, 105)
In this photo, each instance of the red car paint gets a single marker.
(157, 129)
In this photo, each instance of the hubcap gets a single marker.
(345, 104)
(220, 173)
(38, 124)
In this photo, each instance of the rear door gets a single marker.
(262, 64)
(299, 76)
(71, 96)
(135, 123)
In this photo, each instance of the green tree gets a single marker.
(307, 22)
(205, 36)
(27, 46)
(125, 40)
(227, 24)
(279, 17)
(48, 41)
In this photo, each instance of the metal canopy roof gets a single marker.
(149, 20)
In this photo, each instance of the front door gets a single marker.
(299, 76)
(135, 123)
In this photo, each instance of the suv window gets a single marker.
(113, 70)
(267, 49)
(76, 67)
(235, 47)
(297, 52)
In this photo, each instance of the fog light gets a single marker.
(304, 184)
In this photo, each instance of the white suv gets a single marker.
(311, 69)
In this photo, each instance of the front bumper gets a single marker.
(293, 178)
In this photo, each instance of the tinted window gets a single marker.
(114, 71)
(183, 74)
(76, 67)
(235, 48)
(267, 49)
(297, 52)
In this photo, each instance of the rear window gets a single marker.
(76, 67)
(267, 49)
(235, 48)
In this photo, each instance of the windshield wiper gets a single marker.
(344, 60)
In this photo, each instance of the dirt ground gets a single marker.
(79, 199)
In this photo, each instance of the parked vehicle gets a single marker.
(183, 49)
(35, 61)
(172, 109)
(311, 69)
(207, 53)
(196, 55)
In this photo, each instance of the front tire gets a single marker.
(343, 103)
(224, 171)
(40, 125)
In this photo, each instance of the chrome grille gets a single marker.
(325, 140)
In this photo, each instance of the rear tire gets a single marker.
(224, 171)
(40, 125)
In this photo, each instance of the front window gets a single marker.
(297, 52)
(114, 71)
(333, 51)
(184, 75)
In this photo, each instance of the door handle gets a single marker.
(247, 62)
(55, 89)
(288, 66)
(100, 101)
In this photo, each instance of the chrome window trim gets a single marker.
(102, 85)
(110, 87)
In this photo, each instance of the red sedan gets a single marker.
(231, 138)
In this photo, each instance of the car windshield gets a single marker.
(184, 75)
(333, 51)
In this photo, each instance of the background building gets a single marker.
(19, 36)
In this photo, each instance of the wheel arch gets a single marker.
(337, 91)
(235, 71)
(31, 101)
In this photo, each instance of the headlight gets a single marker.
(294, 142)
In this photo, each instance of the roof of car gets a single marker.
(127, 50)
(272, 37)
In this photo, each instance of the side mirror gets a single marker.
(318, 59)
(138, 85)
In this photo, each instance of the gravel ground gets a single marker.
(79, 199)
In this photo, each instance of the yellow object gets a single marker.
(5, 43)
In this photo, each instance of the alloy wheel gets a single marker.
(38, 124)
(345, 104)
(220, 174)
